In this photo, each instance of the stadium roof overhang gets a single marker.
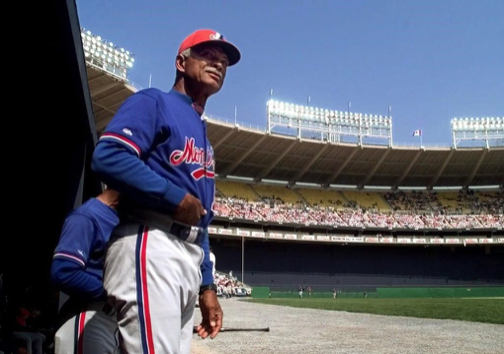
(246, 152)
(108, 92)
(251, 153)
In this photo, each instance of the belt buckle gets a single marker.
(193, 234)
(108, 309)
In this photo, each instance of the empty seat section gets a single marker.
(236, 190)
(324, 198)
(286, 195)
(368, 200)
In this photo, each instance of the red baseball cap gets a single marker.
(210, 36)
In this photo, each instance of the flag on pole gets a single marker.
(417, 132)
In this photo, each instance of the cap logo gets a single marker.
(216, 35)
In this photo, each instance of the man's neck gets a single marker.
(107, 200)
(198, 97)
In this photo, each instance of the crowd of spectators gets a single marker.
(228, 286)
(412, 210)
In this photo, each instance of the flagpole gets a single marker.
(421, 145)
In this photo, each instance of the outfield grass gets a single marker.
(475, 310)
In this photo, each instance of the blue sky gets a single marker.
(430, 60)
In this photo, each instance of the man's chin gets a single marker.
(213, 87)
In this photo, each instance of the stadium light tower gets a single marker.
(327, 124)
(490, 130)
(105, 55)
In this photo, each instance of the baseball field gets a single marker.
(474, 310)
(331, 328)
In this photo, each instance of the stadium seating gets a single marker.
(278, 193)
(412, 210)
(324, 198)
(453, 201)
(415, 201)
(368, 200)
(237, 190)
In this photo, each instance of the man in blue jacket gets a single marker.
(156, 153)
(88, 324)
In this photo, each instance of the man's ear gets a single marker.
(180, 63)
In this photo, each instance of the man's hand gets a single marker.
(212, 314)
(189, 211)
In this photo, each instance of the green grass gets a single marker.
(475, 310)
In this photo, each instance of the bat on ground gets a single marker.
(235, 329)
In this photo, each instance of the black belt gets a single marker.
(191, 234)
(187, 233)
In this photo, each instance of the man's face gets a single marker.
(207, 66)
